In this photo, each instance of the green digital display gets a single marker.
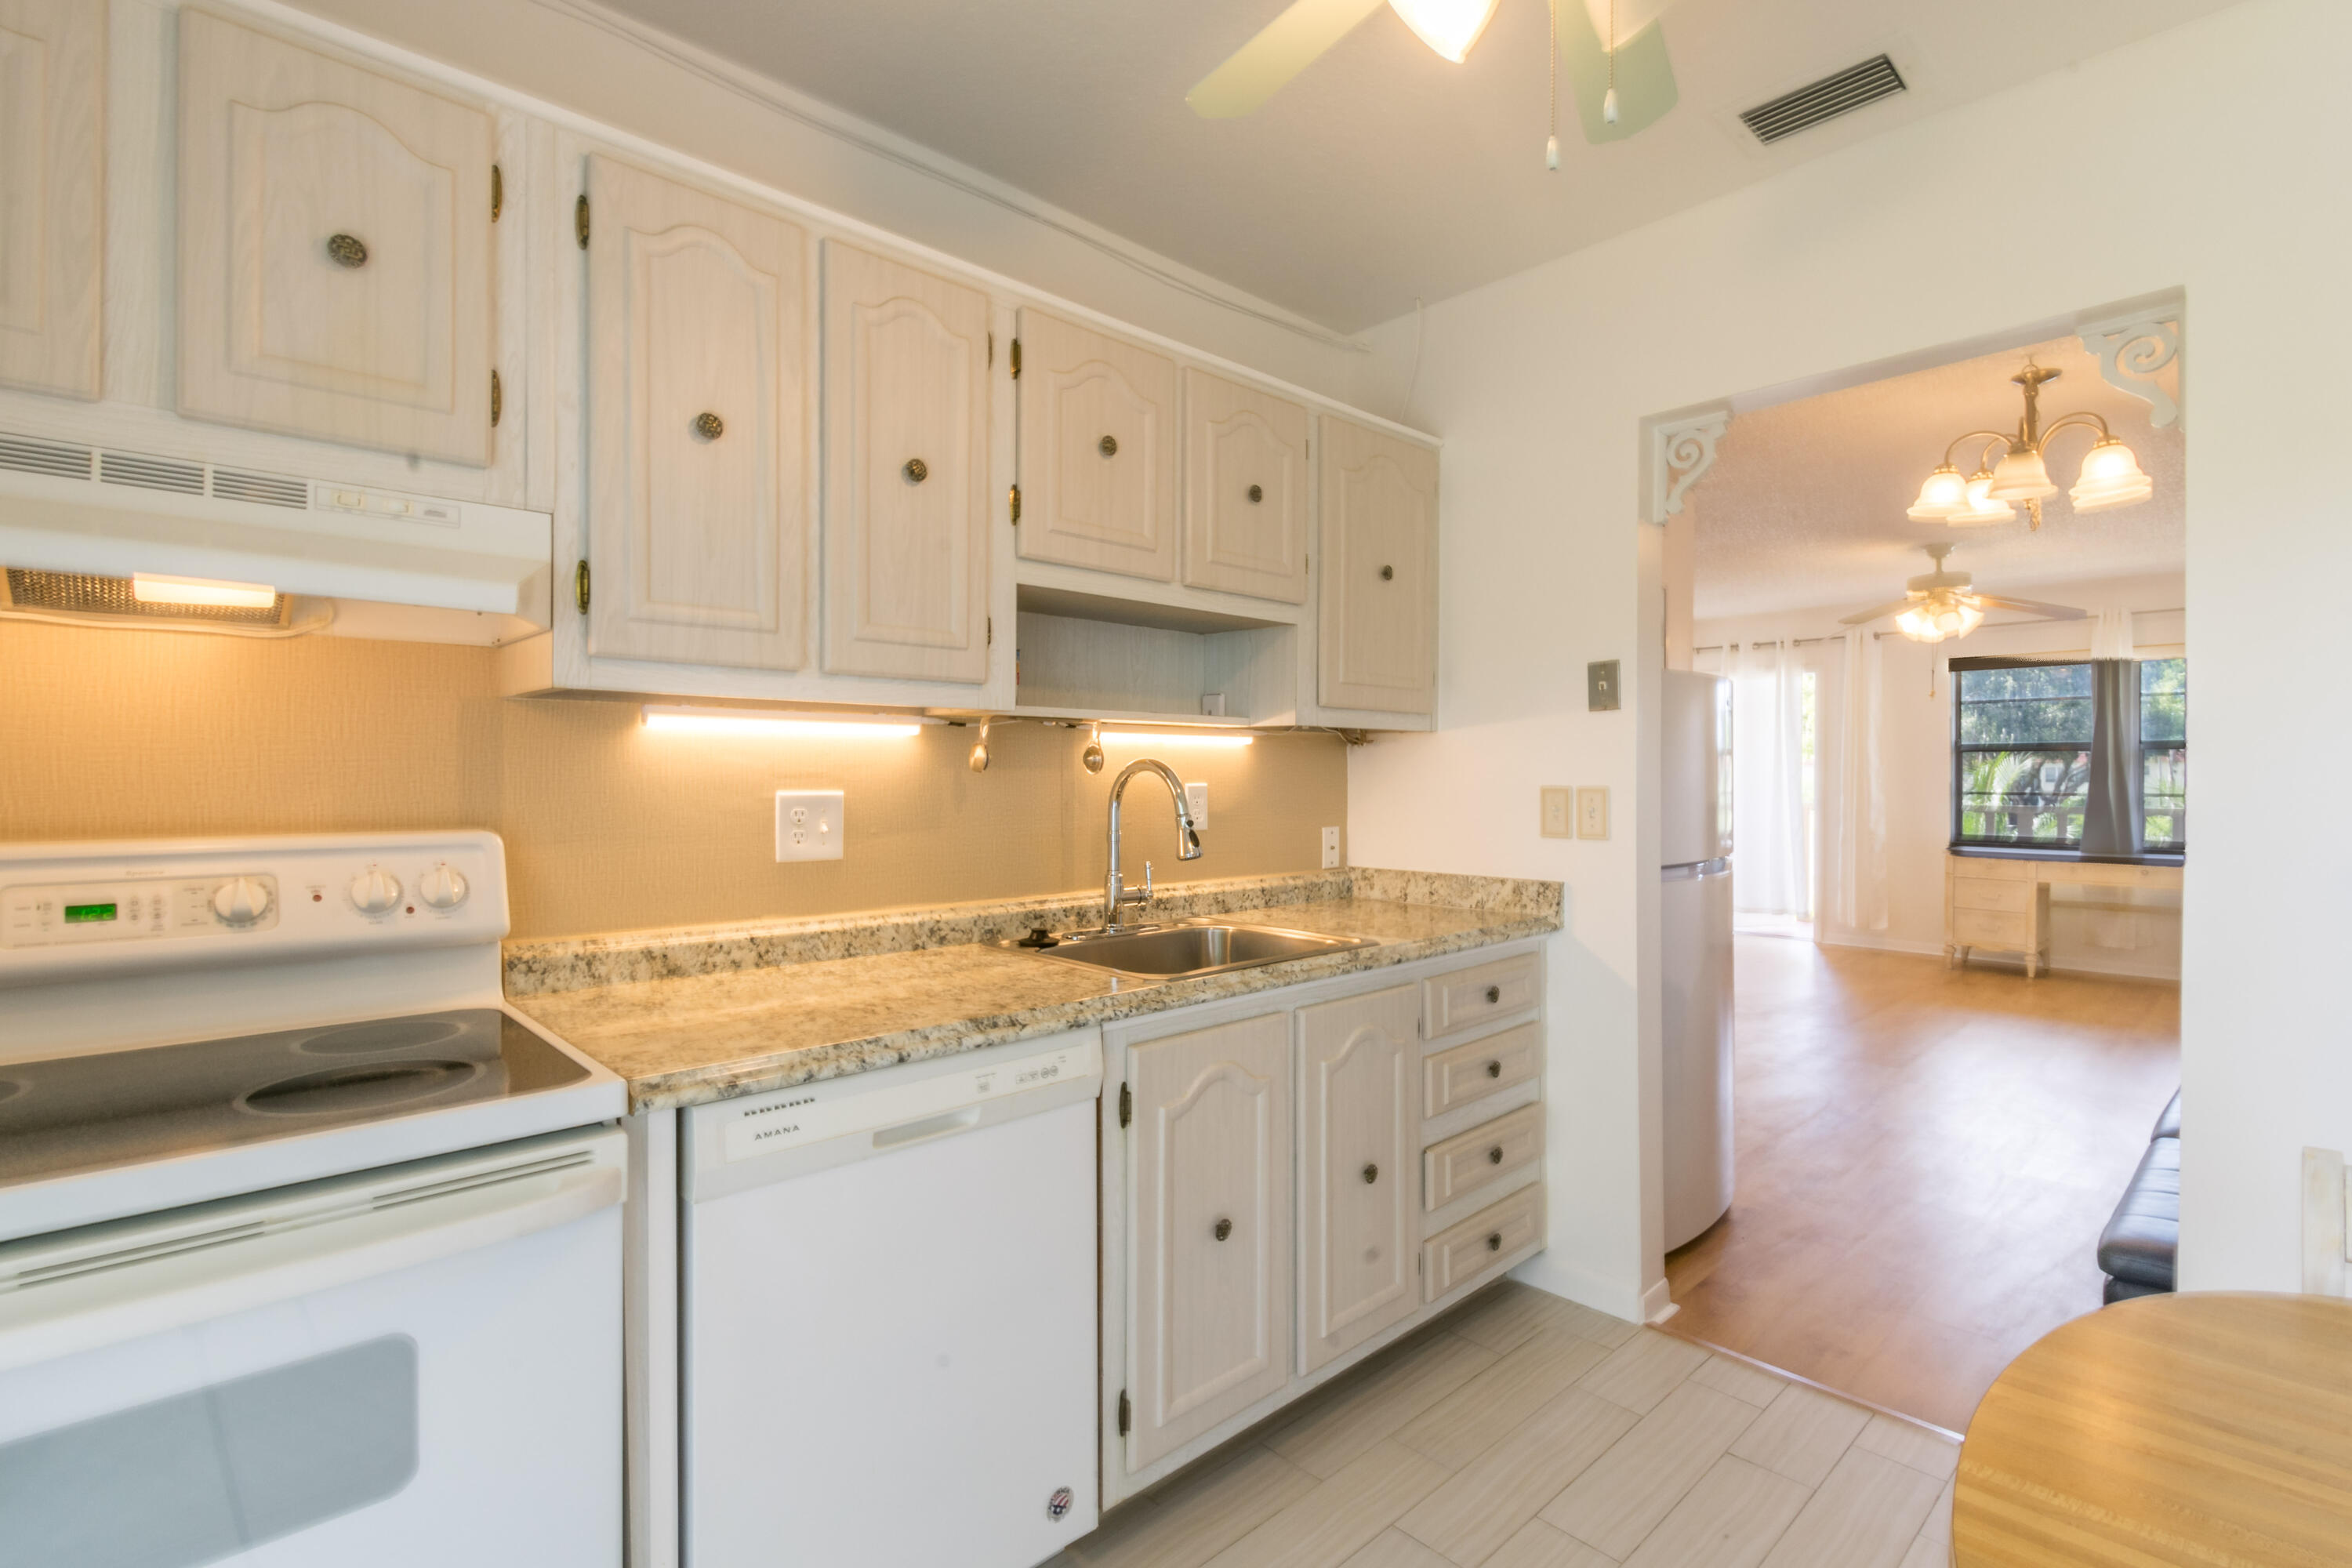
(83, 914)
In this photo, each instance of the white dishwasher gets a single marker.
(888, 1323)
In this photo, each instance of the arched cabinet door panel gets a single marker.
(1359, 1114)
(1245, 489)
(698, 363)
(1377, 639)
(1099, 459)
(335, 259)
(52, 193)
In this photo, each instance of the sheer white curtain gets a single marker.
(1857, 899)
(1774, 872)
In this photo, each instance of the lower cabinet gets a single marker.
(1357, 1122)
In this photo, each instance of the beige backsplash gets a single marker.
(136, 734)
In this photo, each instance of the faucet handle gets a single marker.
(1147, 882)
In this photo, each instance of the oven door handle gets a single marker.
(182, 1279)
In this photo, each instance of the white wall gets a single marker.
(1915, 764)
(2210, 158)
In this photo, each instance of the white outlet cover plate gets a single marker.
(1558, 811)
(1196, 798)
(808, 824)
(1592, 811)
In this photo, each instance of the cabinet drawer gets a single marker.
(1981, 927)
(1470, 996)
(1471, 1160)
(1453, 1256)
(2005, 898)
(1452, 1078)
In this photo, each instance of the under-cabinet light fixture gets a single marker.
(748, 722)
(1174, 738)
(150, 589)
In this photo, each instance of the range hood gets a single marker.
(363, 561)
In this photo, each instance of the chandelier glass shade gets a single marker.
(2111, 475)
(2021, 475)
(1982, 508)
(1944, 493)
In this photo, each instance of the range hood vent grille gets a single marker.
(1808, 106)
(28, 456)
(151, 473)
(78, 594)
(263, 490)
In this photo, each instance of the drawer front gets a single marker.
(1467, 997)
(1981, 927)
(1452, 1078)
(1459, 1254)
(1485, 1154)
(2001, 897)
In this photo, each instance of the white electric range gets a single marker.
(310, 1247)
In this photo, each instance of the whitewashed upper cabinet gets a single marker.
(907, 467)
(1245, 489)
(699, 361)
(335, 258)
(1099, 456)
(1378, 634)
(1209, 1207)
(1359, 1125)
(52, 193)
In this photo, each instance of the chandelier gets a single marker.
(2111, 475)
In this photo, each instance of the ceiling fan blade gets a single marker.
(1284, 48)
(2031, 607)
(1646, 77)
(1869, 616)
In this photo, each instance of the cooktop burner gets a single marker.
(119, 1107)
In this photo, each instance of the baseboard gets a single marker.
(1561, 1279)
(1658, 1304)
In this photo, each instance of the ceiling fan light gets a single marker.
(1450, 27)
(1939, 616)
(1980, 507)
(2021, 476)
(2112, 477)
(1944, 493)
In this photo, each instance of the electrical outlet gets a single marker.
(1196, 801)
(1331, 849)
(1592, 812)
(808, 824)
(1558, 812)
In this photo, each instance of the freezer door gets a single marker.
(1696, 809)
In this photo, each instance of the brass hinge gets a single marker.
(580, 219)
(498, 192)
(1126, 1105)
(1016, 359)
(1126, 1414)
(1016, 505)
(580, 586)
(497, 400)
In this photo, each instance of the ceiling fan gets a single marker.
(1614, 52)
(1939, 604)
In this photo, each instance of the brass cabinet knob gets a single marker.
(1388, 573)
(1257, 492)
(347, 249)
(1493, 1069)
(1372, 1174)
(1109, 445)
(710, 427)
(1495, 1242)
(1494, 994)
(1495, 1155)
(1222, 1229)
(917, 470)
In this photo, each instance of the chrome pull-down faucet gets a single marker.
(1188, 838)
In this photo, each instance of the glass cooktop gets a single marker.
(69, 1114)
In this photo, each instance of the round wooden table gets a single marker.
(2210, 1429)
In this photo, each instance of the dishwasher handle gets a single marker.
(927, 1128)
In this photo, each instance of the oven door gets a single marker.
(419, 1366)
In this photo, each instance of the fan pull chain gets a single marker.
(1551, 143)
(1609, 100)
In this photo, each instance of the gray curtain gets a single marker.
(2113, 822)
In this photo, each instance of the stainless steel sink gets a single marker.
(1181, 952)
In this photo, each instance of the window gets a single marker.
(2021, 753)
(2164, 752)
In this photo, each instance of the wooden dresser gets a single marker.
(2003, 904)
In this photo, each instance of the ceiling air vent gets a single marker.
(27, 455)
(1842, 93)
(151, 473)
(266, 489)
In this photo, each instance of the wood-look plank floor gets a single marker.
(1926, 1158)
(1524, 1431)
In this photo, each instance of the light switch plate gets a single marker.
(1558, 812)
(808, 824)
(1331, 849)
(1600, 687)
(1196, 798)
(1592, 811)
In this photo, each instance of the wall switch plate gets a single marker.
(808, 825)
(1601, 689)
(1558, 812)
(1196, 800)
(1331, 849)
(1592, 812)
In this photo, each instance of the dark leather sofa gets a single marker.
(2143, 1236)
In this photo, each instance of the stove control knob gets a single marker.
(443, 887)
(375, 891)
(241, 900)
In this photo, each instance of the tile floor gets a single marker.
(1524, 1431)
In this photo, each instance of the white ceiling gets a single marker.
(1381, 174)
(1805, 505)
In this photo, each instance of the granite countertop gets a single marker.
(693, 1016)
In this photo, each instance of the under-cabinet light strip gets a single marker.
(1173, 738)
(749, 721)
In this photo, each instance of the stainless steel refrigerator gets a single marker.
(1694, 852)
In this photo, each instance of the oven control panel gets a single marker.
(68, 909)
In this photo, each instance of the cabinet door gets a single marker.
(697, 361)
(1378, 642)
(52, 191)
(1358, 1115)
(1245, 489)
(1098, 450)
(335, 268)
(906, 512)
(1208, 1328)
